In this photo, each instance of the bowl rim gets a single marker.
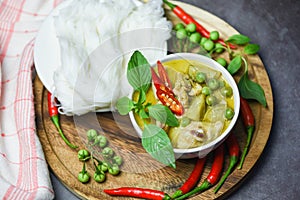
(209, 62)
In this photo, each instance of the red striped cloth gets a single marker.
(23, 170)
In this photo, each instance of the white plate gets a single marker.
(46, 49)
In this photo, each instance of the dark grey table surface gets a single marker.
(274, 24)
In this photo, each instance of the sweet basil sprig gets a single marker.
(154, 139)
(248, 88)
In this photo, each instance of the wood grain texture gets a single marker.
(139, 169)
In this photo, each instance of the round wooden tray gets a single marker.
(139, 169)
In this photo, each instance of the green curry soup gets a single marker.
(207, 100)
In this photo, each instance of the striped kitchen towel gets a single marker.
(23, 170)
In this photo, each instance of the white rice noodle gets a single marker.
(96, 38)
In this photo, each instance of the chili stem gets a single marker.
(250, 130)
(55, 121)
(53, 113)
(249, 123)
(232, 162)
(234, 151)
(193, 178)
(204, 186)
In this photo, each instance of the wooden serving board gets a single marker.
(139, 169)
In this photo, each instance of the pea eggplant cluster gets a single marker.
(111, 162)
(188, 34)
(188, 19)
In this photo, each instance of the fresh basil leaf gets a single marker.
(143, 114)
(163, 114)
(138, 72)
(124, 105)
(238, 39)
(157, 143)
(235, 65)
(251, 49)
(251, 90)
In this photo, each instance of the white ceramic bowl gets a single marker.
(203, 150)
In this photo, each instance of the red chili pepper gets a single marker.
(169, 100)
(192, 180)
(138, 192)
(53, 113)
(187, 19)
(234, 152)
(165, 93)
(213, 175)
(249, 123)
(163, 75)
(158, 83)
